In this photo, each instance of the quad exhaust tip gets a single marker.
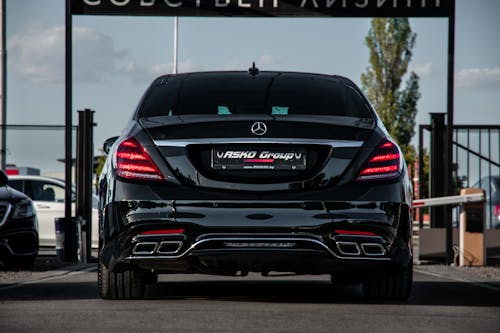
(145, 248)
(345, 248)
(164, 247)
(355, 249)
(373, 249)
(169, 247)
(349, 248)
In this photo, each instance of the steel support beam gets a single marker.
(70, 244)
(3, 87)
(437, 168)
(449, 132)
(84, 175)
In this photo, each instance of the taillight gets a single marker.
(355, 233)
(497, 210)
(163, 232)
(133, 162)
(384, 163)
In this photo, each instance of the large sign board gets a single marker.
(263, 8)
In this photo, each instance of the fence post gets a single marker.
(437, 170)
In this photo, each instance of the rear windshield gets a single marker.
(278, 94)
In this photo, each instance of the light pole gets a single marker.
(3, 88)
(176, 42)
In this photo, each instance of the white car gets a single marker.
(48, 196)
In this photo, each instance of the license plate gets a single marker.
(258, 159)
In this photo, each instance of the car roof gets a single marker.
(32, 177)
(244, 74)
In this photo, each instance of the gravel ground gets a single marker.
(486, 274)
(42, 264)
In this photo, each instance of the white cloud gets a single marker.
(37, 55)
(423, 69)
(95, 54)
(140, 73)
(479, 78)
(265, 60)
(145, 73)
(270, 60)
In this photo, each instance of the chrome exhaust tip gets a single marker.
(144, 248)
(349, 248)
(169, 247)
(373, 249)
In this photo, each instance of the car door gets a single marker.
(49, 203)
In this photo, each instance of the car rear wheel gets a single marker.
(392, 284)
(127, 284)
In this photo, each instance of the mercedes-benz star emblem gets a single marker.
(259, 128)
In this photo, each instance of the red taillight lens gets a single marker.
(383, 164)
(355, 233)
(497, 210)
(133, 162)
(163, 232)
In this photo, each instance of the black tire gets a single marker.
(340, 279)
(13, 262)
(393, 284)
(128, 284)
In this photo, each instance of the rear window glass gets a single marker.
(243, 94)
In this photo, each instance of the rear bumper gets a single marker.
(225, 237)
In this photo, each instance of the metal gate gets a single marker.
(476, 163)
(476, 157)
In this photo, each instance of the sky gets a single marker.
(116, 58)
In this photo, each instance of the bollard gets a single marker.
(472, 250)
(62, 253)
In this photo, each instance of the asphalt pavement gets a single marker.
(64, 298)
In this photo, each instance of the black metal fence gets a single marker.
(476, 162)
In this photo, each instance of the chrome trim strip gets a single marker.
(283, 239)
(184, 143)
(260, 245)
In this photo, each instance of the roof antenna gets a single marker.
(253, 70)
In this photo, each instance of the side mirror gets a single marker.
(3, 178)
(106, 146)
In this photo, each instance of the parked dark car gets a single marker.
(235, 172)
(18, 227)
(491, 187)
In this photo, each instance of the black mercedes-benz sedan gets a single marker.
(18, 227)
(270, 172)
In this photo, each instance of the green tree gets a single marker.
(390, 41)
